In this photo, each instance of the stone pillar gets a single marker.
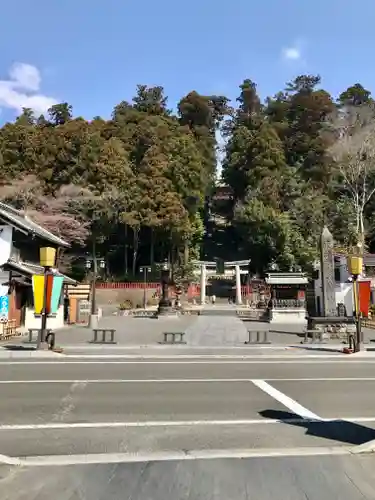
(203, 284)
(238, 285)
(165, 305)
(327, 268)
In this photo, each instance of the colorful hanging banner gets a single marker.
(38, 292)
(56, 294)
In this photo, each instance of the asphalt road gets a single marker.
(60, 413)
(70, 407)
(296, 478)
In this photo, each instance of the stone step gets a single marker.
(218, 312)
(216, 330)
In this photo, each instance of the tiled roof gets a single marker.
(29, 269)
(286, 279)
(368, 259)
(22, 222)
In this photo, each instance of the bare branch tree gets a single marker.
(21, 192)
(54, 213)
(354, 153)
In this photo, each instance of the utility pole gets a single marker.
(355, 268)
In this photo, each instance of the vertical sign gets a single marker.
(327, 273)
(6, 238)
(4, 307)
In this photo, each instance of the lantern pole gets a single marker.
(355, 265)
(93, 262)
(47, 260)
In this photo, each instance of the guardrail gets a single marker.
(368, 323)
(104, 339)
(258, 337)
(174, 338)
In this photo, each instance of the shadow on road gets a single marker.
(287, 332)
(313, 347)
(337, 430)
(17, 347)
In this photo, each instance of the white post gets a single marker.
(238, 285)
(203, 284)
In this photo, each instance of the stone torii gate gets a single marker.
(237, 264)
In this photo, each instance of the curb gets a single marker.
(4, 459)
(368, 447)
(108, 458)
(6, 354)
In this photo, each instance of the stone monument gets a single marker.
(327, 267)
(165, 307)
(330, 323)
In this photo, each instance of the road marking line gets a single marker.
(5, 459)
(156, 423)
(350, 419)
(203, 356)
(285, 400)
(180, 380)
(322, 379)
(62, 361)
(368, 447)
(106, 458)
(124, 381)
(176, 347)
(176, 423)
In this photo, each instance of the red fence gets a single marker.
(193, 290)
(127, 286)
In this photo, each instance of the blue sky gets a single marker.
(92, 53)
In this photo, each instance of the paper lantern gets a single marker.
(47, 256)
(355, 265)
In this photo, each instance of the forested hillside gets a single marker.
(135, 188)
(298, 161)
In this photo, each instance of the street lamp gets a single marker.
(93, 262)
(47, 260)
(355, 266)
(145, 270)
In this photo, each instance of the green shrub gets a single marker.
(125, 305)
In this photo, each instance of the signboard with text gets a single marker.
(4, 307)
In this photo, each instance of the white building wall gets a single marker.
(32, 321)
(344, 295)
(289, 316)
(344, 273)
(343, 289)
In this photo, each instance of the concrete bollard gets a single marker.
(104, 339)
(259, 338)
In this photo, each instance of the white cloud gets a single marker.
(25, 76)
(21, 90)
(291, 53)
(220, 153)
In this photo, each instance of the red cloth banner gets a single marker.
(364, 297)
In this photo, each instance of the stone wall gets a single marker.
(114, 297)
